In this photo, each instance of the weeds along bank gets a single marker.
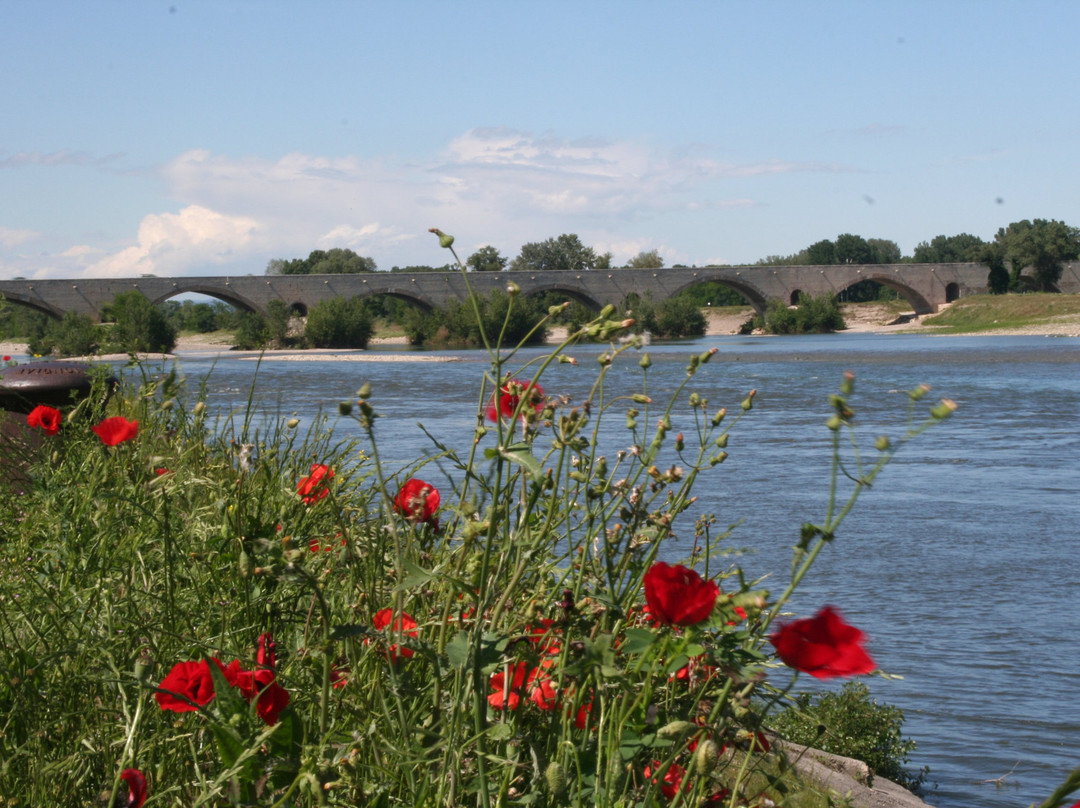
(207, 616)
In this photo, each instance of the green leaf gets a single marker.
(521, 453)
(500, 732)
(457, 650)
(637, 640)
(415, 575)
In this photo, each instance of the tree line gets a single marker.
(1044, 245)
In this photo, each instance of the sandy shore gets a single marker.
(861, 319)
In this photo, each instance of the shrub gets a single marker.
(74, 335)
(852, 724)
(139, 327)
(338, 323)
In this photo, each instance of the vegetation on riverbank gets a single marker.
(513, 633)
(984, 313)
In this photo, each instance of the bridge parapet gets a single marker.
(926, 286)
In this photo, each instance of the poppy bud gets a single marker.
(676, 729)
(882, 444)
(344, 408)
(705, 756)
(292, 423)
(364, 391)
(555, 776)
(943, 410)
(645, 362)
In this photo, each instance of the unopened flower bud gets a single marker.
(695, 399)
(513, 289)
(882, 443)
(555, 777)
(168, 403)
(720, 413)
(676, 729)
(707, 355)
(640, 398)
(679, 445)
(364, 391)
(834, 423)
(919, 392)
(748, 402)
(199, 408)
(292, 423)
(717, 458)
(645, 362)
(848, 384)
(943, 410)
(705, 756)
(344, 408)
(445, 240)
(606, 311)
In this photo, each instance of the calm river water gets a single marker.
(959, 564)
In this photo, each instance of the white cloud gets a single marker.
(171, 243)
(10, 237)
(487, 186)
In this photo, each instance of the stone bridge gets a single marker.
(925, 286)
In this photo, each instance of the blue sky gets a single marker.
(190, 137)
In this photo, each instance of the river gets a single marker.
(958, 564)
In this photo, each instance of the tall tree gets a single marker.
(821, 252)
(646, 260)
(883, 251)
(487, 259)
(563, 253)
(338, 261)
(1042, 244)
(852, 249)
(949, 249)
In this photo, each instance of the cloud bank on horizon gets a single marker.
(490, 185)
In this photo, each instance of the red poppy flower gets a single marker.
(510, 396)
(266, 651)
(116, 430)
(45, 418)
(6, 358)
(418, 502)
(161, 472)
(696, 670)
(671, 780)
(404, 624)
(678, 596)
(136, 784)
(506, 693)
(823, 646)
(189, 679)
(314, 487)
(541, 688)
(272, 698)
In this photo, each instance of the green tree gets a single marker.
(487, 259)
(884, 251)
(1042, 244)
(338, 261)
(251, 331)
(338, 323)
(997, 279)
(949, 249)
(74, 335)
(821, 252)
(646, 260)
(139, 325)
(852, 249)
(563, 253)
(277, 322)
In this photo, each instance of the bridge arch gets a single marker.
(412, 298)
(216, 292)
(577, 295)
(918, 302)
(36, 305)
(754, 296)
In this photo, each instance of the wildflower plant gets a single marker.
(252, 612)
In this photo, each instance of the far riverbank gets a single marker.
(861, 318)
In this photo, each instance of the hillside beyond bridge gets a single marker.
(925, 286)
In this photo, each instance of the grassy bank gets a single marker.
(1039, 313)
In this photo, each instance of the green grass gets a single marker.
(983, 313)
